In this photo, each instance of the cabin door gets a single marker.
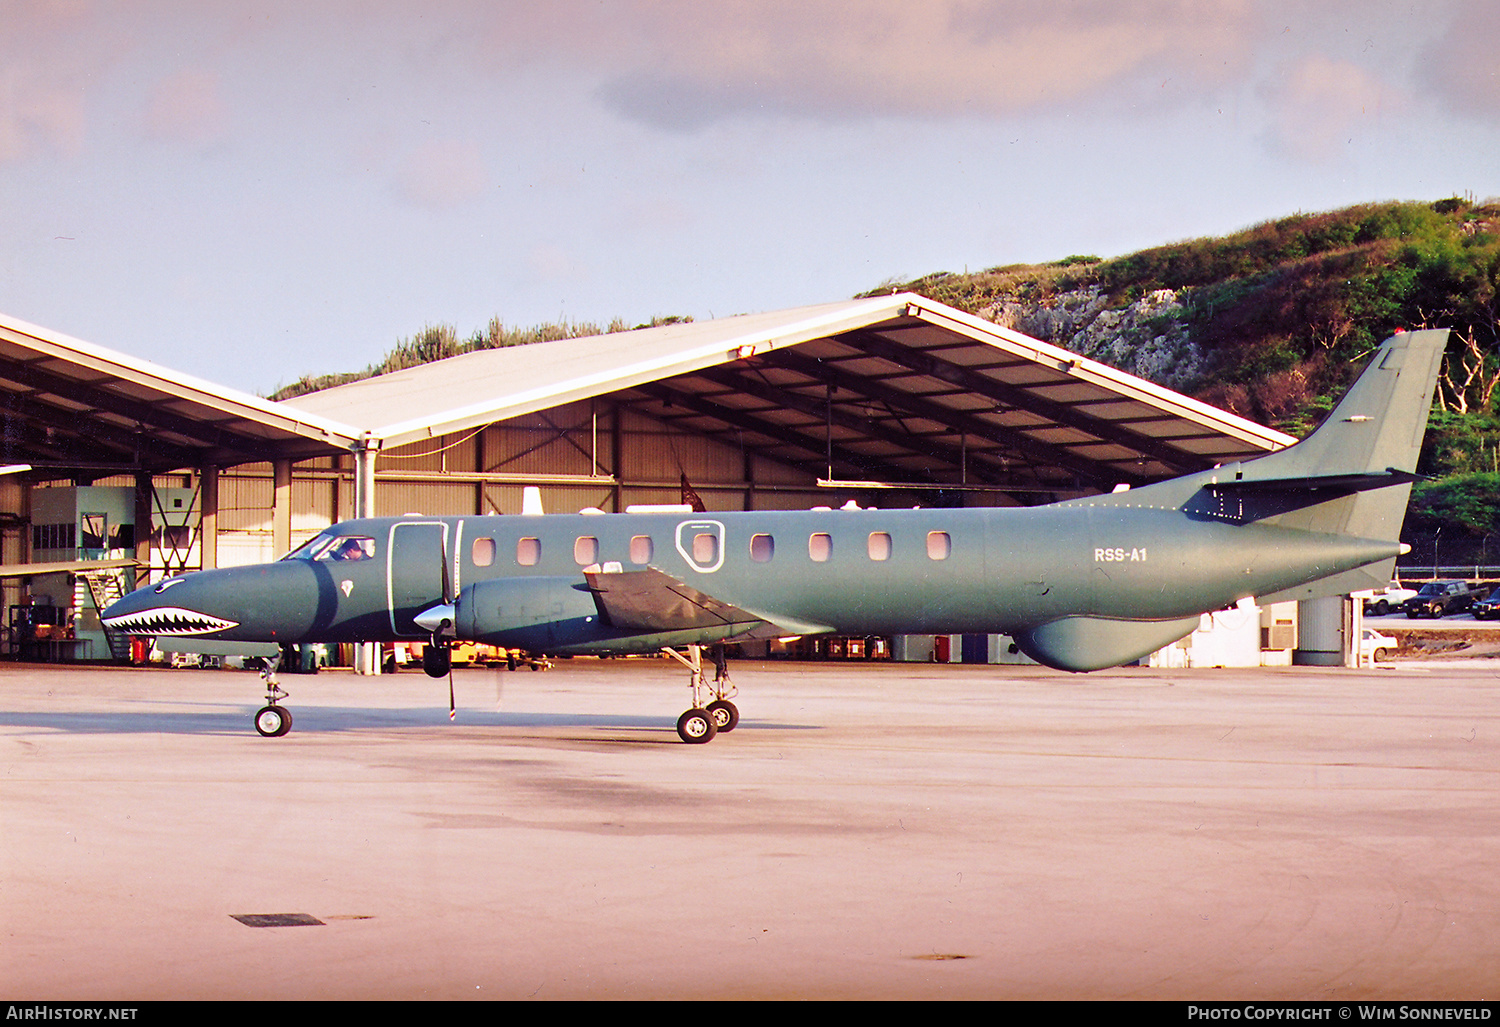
(415, 573)
(701, 544)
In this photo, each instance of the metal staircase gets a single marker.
(104, 588)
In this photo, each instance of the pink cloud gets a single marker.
(1463, 67)
(43, 86)
(678, 63)
(186, 107)
(1318, 106)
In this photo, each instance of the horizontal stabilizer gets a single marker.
(1341, 484)
(1242, 500)
(1375, 575)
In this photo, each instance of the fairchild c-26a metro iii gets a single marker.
(1080, 585)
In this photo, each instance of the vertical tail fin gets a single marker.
(1354, 472)
(1379, 423)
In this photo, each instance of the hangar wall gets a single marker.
(570, 452)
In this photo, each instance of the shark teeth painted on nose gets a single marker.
(168, 620)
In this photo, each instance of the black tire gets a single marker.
(437, 660)
(696, 727)
(1380, 655)
(726, 714)
(273, 721)
(1382, 608)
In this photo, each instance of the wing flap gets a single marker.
(650, 601)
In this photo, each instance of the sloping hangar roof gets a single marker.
(72, 406)
(898, 390)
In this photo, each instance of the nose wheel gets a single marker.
(703, 722)
(272, 720)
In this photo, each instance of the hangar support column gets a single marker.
(208, 518)
(1325, 633)
(281, 508)
(366, 654)
(144, 508)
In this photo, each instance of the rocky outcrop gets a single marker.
(1150, 337)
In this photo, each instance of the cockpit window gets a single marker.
(335, 547)
(353, 547)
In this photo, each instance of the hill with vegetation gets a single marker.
(1271, 322)
(440, 341)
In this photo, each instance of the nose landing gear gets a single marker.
(272, 720)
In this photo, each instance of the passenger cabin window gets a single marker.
(641, 549)
(880, 545)
(706, 549)
(762, 548)
(939, 545)
(585, 550)
(483, 552)
(819, 547)
(528, 551)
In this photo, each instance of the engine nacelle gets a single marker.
(540, 615)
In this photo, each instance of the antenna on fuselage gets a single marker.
(531, 502)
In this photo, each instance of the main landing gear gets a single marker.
(272, 720)
(701, 723)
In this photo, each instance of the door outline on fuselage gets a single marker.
(715, 528)
(436, 584)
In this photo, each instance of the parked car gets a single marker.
(1488, 608)
(1440, 598)
(1375, 647)
(1381, 601)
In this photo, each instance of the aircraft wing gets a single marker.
(652, 601)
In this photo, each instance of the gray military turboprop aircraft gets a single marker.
(1080, 585)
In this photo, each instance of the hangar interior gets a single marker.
(893, 401)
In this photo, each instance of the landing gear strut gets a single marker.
(272, 720)
(701, 723)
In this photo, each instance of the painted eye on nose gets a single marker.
(167, 584)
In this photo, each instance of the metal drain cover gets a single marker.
(277, 920)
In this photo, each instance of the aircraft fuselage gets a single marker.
(845, 571)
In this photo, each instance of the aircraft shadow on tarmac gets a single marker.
(232, 720)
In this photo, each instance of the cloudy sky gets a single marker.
(251, 192)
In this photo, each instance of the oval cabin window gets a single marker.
(528, 551)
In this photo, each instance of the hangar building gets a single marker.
(888, 401)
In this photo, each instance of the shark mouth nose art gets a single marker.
(168, 620)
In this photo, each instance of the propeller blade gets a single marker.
(447, 579)
(447, 617)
